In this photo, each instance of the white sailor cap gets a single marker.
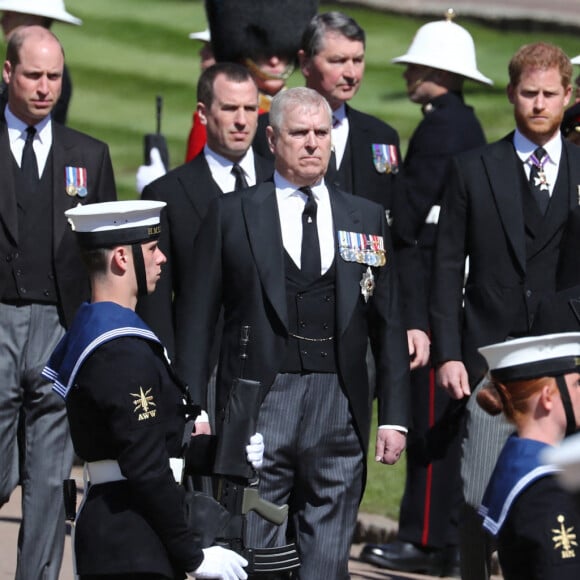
(111, 223)
(203, 35)
(533, 357)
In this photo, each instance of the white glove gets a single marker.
(148, 173)
(222, 564)
(255, 450)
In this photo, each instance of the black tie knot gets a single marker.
(539, 154)
(240, 176)
(310, 206)
(30, 133)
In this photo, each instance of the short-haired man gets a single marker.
(505, 209)
(45, 168)
(440, 59)
(310, 270)
(366, 156)
(228, 107)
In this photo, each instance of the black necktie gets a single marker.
(310, 252)
(538, 182)
(241, 182)
(28, 165)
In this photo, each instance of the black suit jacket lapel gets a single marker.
(501, 165)
(572, 153)
(348, 274)
(62, 155)
(199, 185)
(261, 217)
(264, 168)
(8, 206)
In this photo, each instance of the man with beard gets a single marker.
(505, 209)
(441, 57)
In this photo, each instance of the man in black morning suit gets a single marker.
(45, 169)
(438, 61)
(311, 308)
(228, 106)
(492, 213)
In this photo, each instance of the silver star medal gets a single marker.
(367, 284)
(541, 181)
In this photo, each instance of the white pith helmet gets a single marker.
(446, 46)
(575, 60)
(48, 8)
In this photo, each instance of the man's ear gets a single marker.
(304, 63)
(201, 111)
(7, 72)
(510, 93)
(120, 258)
(271, 136)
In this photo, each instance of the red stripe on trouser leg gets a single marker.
(429, 474)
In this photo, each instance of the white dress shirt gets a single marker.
(291, 202)
(17, 137)
(221, 169)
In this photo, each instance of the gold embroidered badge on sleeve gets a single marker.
(143, 402)
(564, 539)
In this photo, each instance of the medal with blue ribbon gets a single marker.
(76, 181)
(362, 248)
(385, 158)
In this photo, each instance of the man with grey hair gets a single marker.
(309, 270)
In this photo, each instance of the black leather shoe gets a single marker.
(451, 564)
(404, 556)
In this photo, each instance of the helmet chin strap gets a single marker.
(139, 269)
(571, 426)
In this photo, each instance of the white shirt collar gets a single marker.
(286, 189)
(216, 160)
(17, 128)
(524, 147)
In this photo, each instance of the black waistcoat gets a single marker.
(311, 315)
(32, 267)
(542, 235)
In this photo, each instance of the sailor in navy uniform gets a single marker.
(127, 411)
(536, 523)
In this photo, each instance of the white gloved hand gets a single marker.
(222, 564)
(148, 173)
(255, 450)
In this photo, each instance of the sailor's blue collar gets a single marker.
(93, 325)
(518, 466)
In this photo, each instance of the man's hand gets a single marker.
(452, 376)
(390, 445)
(255, 451)
(148, 173)
(419, 344)
(221, 564)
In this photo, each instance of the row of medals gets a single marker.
(369, 257)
